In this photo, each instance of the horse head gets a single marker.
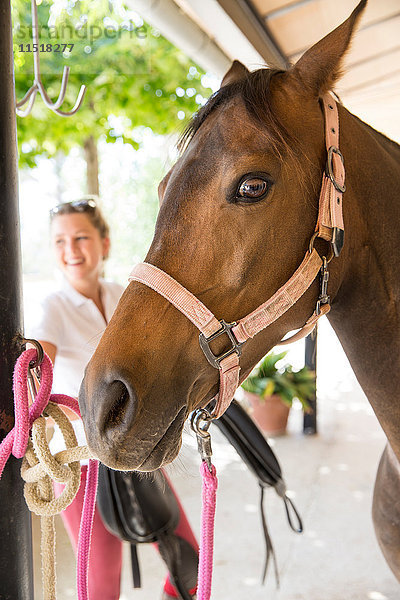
(237, 212)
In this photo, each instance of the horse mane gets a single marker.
(382, 137)
(254, 90)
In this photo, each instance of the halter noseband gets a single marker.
(329, 227)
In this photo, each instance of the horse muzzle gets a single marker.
(122, 432)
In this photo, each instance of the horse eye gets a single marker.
(253, 188)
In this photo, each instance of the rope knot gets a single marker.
(40, 467)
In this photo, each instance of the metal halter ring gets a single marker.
(331, 250)
(34, 364)
(329, 168)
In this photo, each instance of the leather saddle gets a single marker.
(142, 507)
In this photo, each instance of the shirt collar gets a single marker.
(76, 298)
(79, 299)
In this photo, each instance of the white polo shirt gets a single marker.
(74, 324)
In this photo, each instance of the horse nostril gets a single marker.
(122, 403)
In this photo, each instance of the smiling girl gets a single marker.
(74, 317)
(69, 327)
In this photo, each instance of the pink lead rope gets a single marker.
(16, 443)
(200, 422)
(206, 553)
(85, 530)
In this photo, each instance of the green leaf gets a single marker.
(267, 379)
(269, 388)
(130, 80)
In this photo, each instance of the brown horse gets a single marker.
(237, 213)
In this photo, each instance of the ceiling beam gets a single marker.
(246, 17)
(179, 29)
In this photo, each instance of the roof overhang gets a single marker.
(277, 32)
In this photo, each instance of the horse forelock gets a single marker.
(255, 91)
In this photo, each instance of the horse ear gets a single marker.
(320, 66)
(236, 72)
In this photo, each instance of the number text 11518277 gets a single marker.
(45, 47)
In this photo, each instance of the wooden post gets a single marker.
(16, 572)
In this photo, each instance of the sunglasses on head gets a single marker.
(83, 205)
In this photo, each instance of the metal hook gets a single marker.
(323, 297)
(38, 84)
(200, 422)
(34, 364)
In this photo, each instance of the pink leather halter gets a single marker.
(329, 227)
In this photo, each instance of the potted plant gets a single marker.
(270, 389)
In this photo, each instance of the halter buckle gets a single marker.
(330, 171)
(204, 341)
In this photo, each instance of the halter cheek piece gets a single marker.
(329, 227)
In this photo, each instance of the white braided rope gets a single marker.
(39, 469)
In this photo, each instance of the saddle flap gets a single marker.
(250, 444)
(136, 507)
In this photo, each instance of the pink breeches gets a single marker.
(106, 550)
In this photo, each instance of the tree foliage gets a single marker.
(134, 76)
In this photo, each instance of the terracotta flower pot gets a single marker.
(270, 413)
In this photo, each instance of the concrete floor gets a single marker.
(331, 475)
